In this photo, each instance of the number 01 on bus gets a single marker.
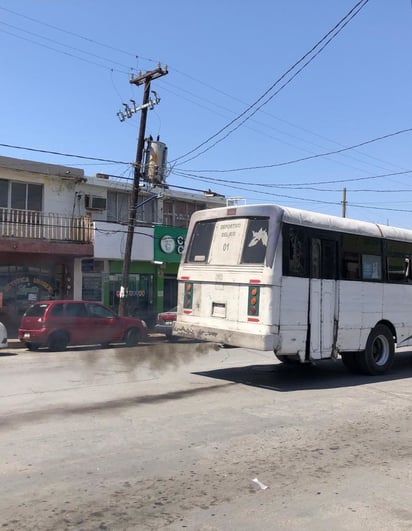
(304, 285)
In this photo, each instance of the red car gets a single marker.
(164, 324)
(58, 323)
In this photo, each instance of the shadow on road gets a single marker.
(7, 353)
(323, 375)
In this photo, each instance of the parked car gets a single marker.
(164, 323)
(58, 323)
(3, 336)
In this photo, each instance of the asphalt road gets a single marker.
(187, 436)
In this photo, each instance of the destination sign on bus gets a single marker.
(227, 242)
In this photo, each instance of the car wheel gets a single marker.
(379, 354)
(32, 346)
(132, 337)
(58, 341)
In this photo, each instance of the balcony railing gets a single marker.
(16, 223)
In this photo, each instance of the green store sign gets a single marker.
(169, 243)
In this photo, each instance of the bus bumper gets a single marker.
(256, 341)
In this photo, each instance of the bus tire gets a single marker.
(287, 360)
(351, 361)
(379, 353)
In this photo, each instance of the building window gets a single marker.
(4, 193)
(118, 206)
(177, 213)
(21, 196)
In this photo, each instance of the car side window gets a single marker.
(57, 310)
(75, 309)
(95, 310)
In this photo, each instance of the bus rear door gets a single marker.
(322, 305)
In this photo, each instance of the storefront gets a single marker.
(168, 249)
(152, 285)
(23, 281)
(140, 292)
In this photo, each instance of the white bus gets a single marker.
(304, 285)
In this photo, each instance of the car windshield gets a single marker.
(37, 310)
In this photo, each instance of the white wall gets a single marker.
(110, 241)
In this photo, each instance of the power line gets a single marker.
(286, 185)
(326, 39)
(303, 159)
(216, 179)
(63, 52)
(277, 139)
(62, 44)
(320, 201)
(73, 34)
(65, 154)
(93, 41)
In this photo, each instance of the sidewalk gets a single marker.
(14, 343)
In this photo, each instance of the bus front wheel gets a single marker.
(378, 356)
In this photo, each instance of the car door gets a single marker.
(74, 319)
(103, 326)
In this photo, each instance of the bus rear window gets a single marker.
(229, 241)
(256, 241)
(200, 241)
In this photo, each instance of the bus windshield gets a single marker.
(229, 241)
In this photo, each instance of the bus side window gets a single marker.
(296, 255)
(329, 259)
(371, 267)
(398, 269)
(351, 269)
(362, 257)
(323, 258)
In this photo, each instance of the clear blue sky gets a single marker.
(66, 67)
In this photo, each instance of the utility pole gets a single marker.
(344, 203)
(142, 79)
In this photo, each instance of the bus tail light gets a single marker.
(188, 296)
(253, 301)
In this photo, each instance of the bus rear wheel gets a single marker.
(379, 354)
(288, 360)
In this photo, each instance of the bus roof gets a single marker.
(307, 218)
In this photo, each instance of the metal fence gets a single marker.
(15, 223)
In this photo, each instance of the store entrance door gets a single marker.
(169, 292)
(139, 296)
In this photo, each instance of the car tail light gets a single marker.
(253, 301)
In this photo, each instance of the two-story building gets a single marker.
(62, 235)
